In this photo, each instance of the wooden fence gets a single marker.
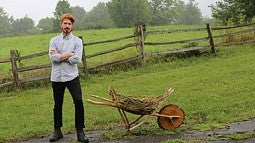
(141, 43)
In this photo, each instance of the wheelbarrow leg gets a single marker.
(136, 120)
(113, 93)
(125, 120)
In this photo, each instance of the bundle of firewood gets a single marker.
(142, 105)
(136, 105)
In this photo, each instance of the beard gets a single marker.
(66, 31)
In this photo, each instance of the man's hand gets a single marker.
(64, 56)
(53, 52)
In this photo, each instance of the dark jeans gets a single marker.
(58, 93)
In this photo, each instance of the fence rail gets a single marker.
(174, 51)
(176, 42)
(112, 50)
(110, 40)
(141, 44)
(5, 60)
(174, 31)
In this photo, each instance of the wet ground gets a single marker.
(240, 127)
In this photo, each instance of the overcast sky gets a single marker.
(38, 9)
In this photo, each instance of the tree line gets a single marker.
(113, 14)
(233, 11)
(123, 14)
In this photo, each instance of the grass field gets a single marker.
(212, 90)
(26, 45)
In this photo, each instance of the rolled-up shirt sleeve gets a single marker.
(76, 58)
(55, 57)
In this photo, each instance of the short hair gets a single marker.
(67, 16)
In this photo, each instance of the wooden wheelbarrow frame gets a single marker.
(169, 117)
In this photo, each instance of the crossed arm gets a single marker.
(64, 56)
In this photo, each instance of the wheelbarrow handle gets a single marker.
(102, 98)
(101, 103)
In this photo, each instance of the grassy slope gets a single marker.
(39, 43)
(212, 91)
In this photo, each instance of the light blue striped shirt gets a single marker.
(63, 71)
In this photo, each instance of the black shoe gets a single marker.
(57, 135)
(81, 136)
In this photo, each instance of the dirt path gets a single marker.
(240, 127)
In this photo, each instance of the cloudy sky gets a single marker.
(38, 9)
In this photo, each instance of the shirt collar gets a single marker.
(69, 36)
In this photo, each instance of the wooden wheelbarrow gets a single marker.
(169, 117)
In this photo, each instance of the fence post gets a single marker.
(141, 38)
(84, 61)
(14, 68)
(210, 36)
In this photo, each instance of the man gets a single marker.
(65, 53)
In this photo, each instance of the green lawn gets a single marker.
(212, 90)
(32, 44)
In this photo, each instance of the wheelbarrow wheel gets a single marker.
(176, 117)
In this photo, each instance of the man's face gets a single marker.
(66, 26)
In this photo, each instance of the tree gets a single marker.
(78, 13)
(62, 7)
(190, 14)
(23, 26)
(46, 25)
(125, 13)
(98, 18)
(164, 11)
(249, 6)
(5, 25)
(233, 11)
